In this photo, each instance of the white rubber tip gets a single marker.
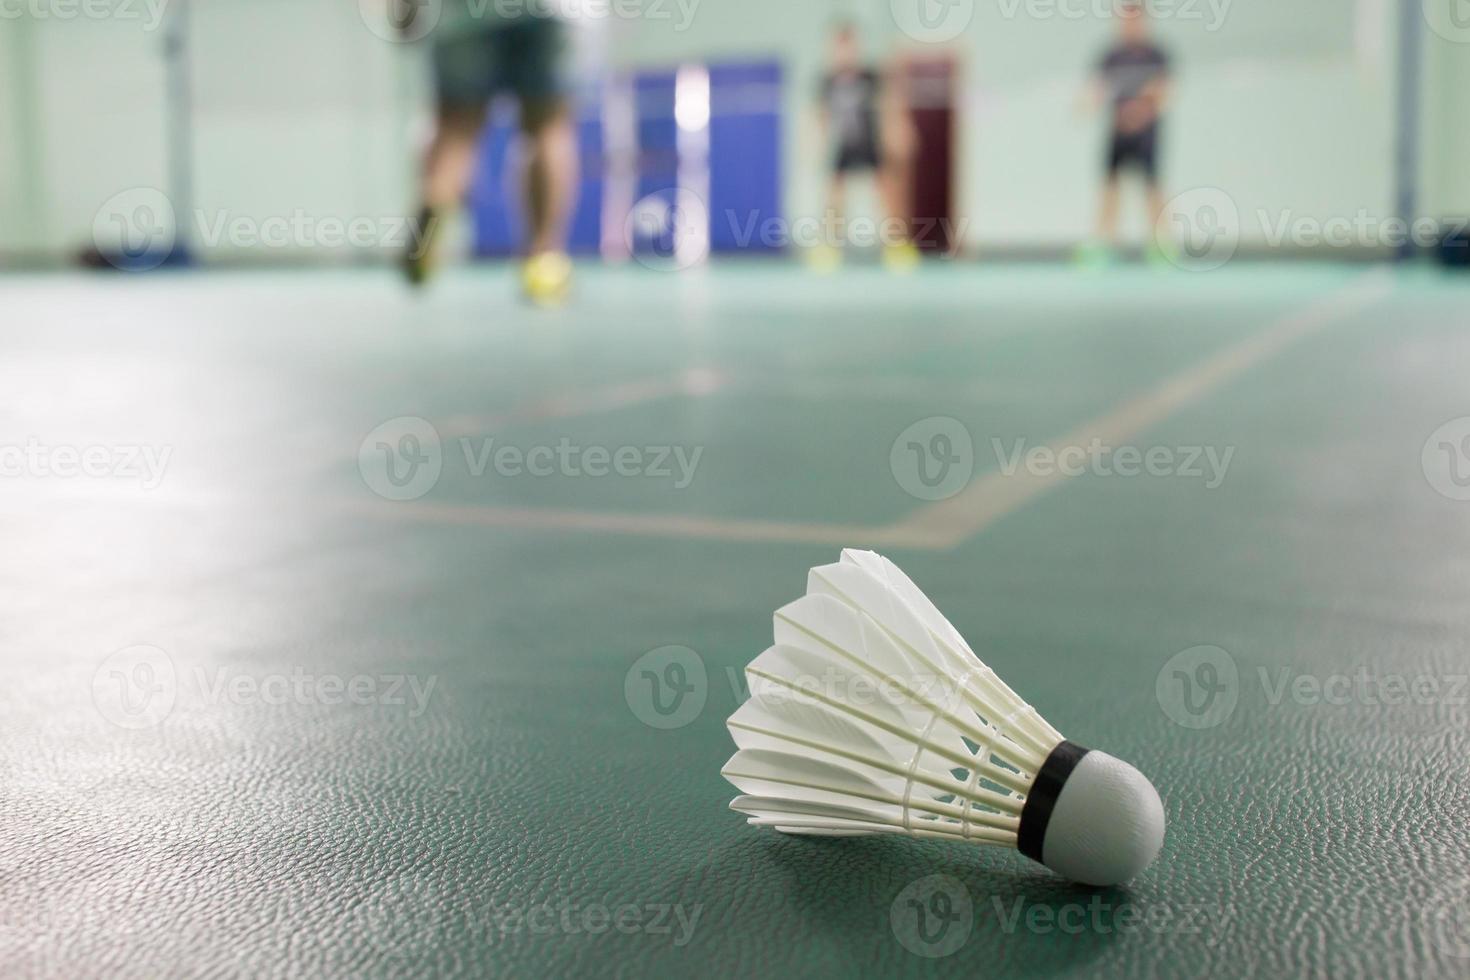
(1107, 825)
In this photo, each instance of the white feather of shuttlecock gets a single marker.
(871, 714)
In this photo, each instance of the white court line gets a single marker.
(692, 383)
(949, 523)
(646, 525)
(994, 495)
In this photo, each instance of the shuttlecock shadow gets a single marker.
(897, 897)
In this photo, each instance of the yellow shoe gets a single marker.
(902, 257)
(824, 258)
(547, 278)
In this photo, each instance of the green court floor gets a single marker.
(337, 620)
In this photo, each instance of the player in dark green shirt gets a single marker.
(481, 51)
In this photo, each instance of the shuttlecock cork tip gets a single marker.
(1092, 818)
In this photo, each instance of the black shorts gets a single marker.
(1135, 151)
(859, 156)
(524, 58)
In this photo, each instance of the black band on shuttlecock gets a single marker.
(1042, 799)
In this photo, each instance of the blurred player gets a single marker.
(478, 53)
(1133, 78)
(859, 118)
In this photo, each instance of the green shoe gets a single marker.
(1161, 253)
(1094, 255)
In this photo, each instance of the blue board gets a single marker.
(744, 166)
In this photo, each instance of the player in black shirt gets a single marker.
(1133, 79)
(857, 114)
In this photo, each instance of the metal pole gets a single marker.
(180, 125)
(31, 236)
(1411, 83)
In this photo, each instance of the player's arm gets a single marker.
(1094, 94)
(824, 109)
(1159, 88)
(1158, 92)
(895, 126)
(891, 97)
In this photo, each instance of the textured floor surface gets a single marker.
(335, 621)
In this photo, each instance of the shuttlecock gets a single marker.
(871, 715)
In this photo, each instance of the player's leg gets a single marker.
(899, 253)
(893, 189)
(1105, 233)
(1157, 207)
(533, 54)
(893, 155)
(1107, 212)
(450, 161)
(552, 171)
(1160, 244)
(826, 255)
(1104, 242)
(463, 91)
(1108, 206)
(837, 199)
